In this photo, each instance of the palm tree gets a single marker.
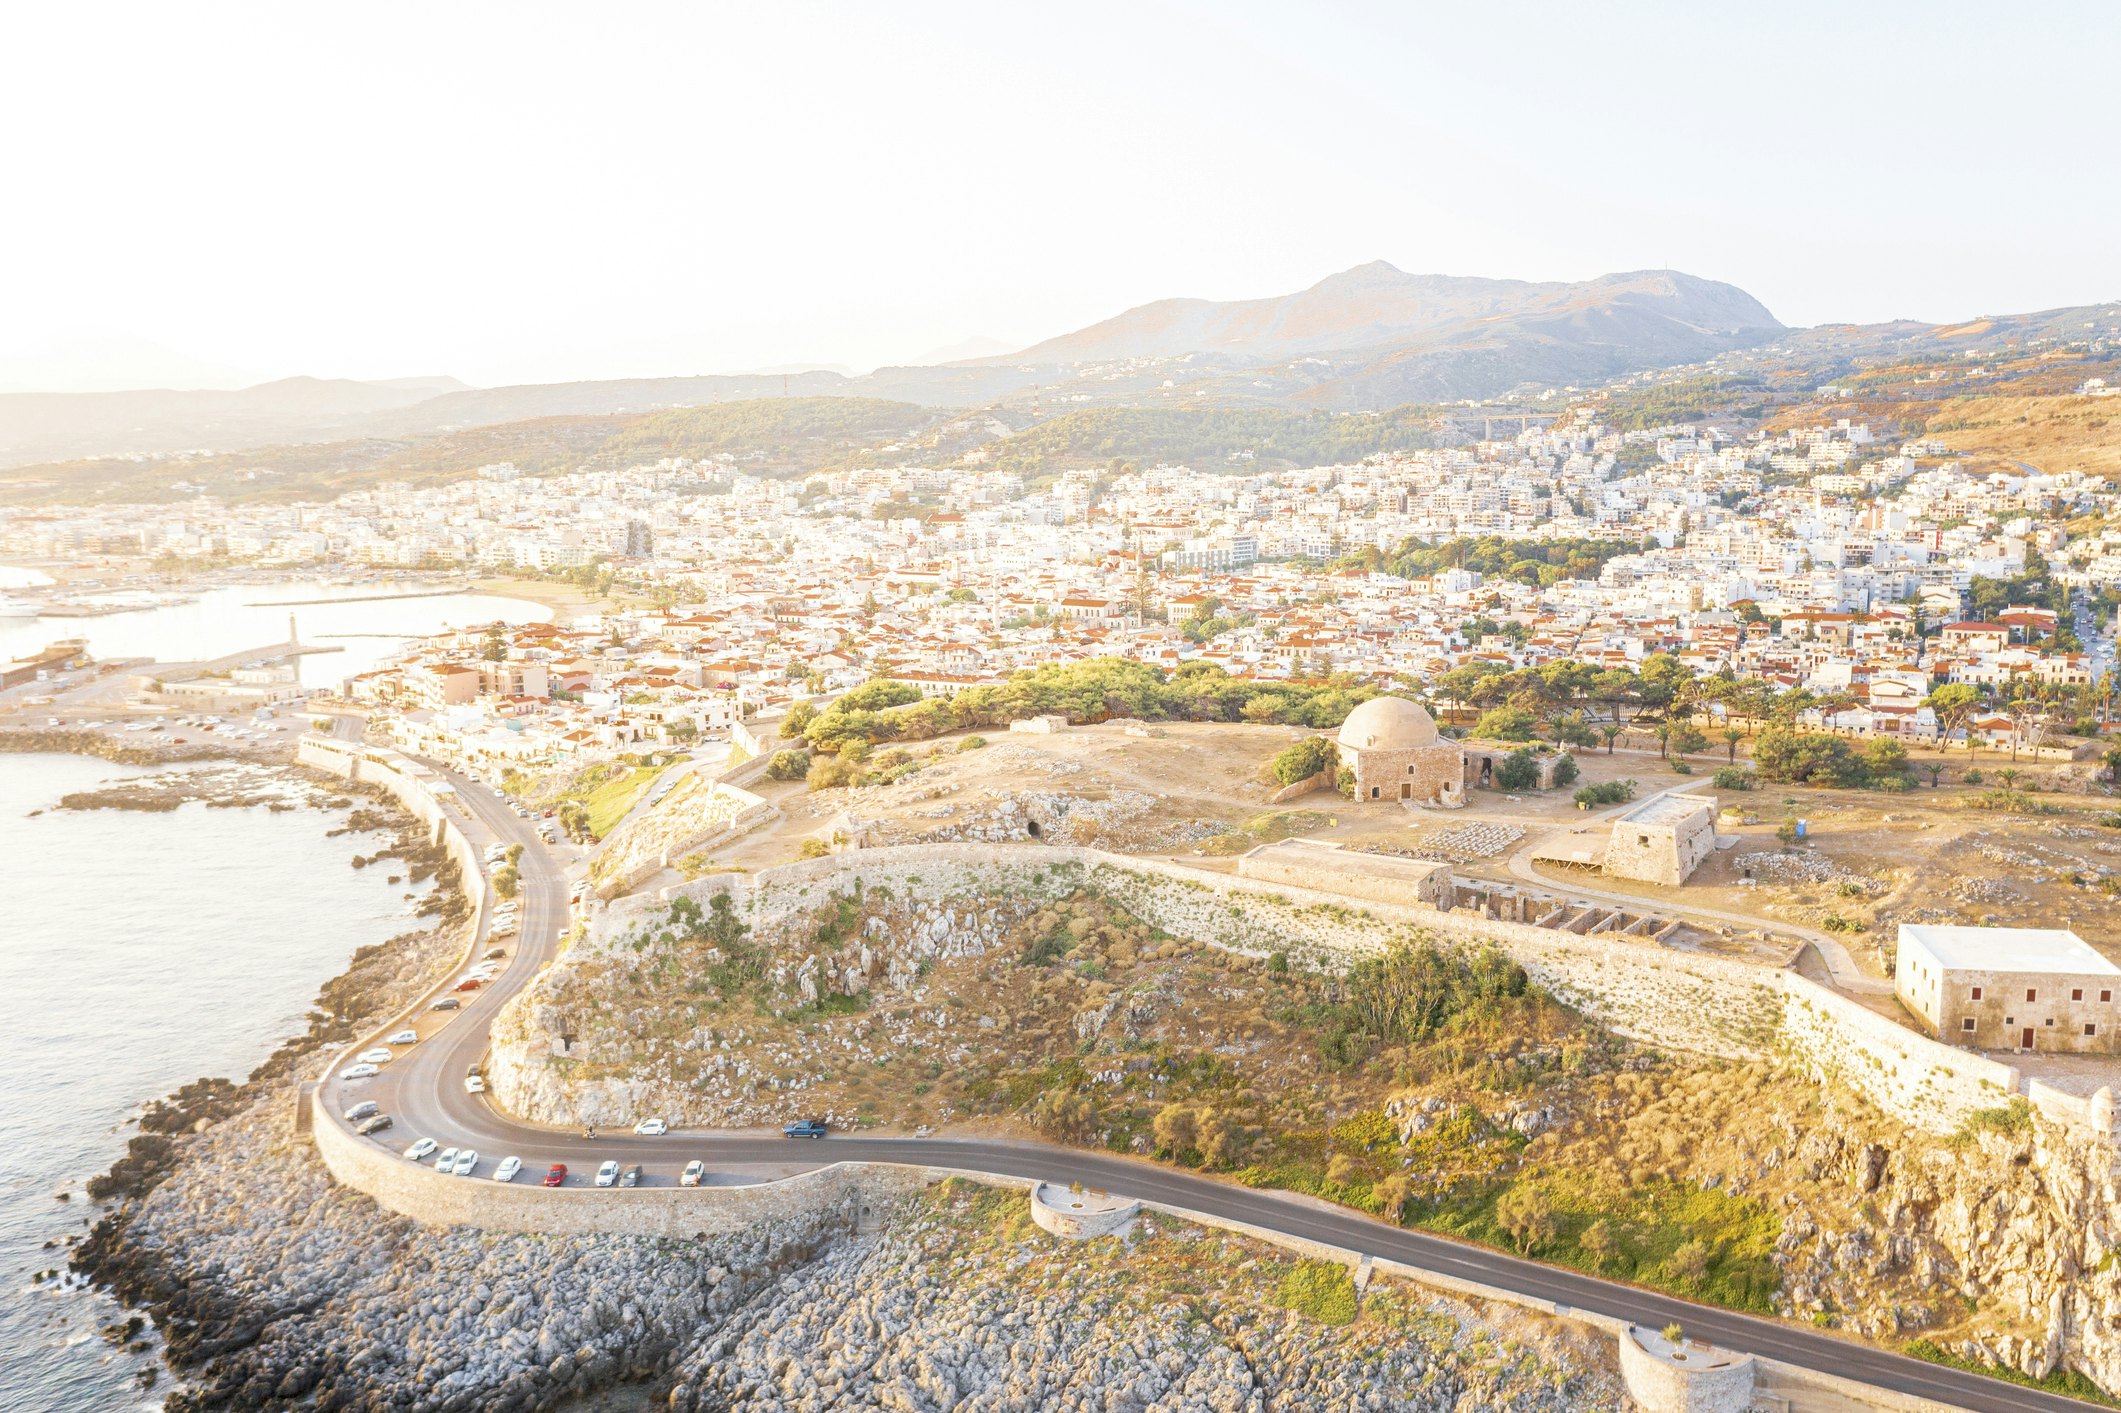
(1612, 731)
(1731, 737)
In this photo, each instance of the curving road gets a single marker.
(424, 1090)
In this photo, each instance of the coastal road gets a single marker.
(424, 1090)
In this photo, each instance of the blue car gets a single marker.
(808, 1128)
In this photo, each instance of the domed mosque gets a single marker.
(1392, 746)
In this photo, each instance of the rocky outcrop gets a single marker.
(1997, 1247)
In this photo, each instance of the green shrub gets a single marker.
(1730, 777)
(1519, 771)
(1305, 759)
(788, 765)
(1321, 1289)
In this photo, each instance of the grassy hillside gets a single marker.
(1206, 438)
(777, 434)
(795, 433)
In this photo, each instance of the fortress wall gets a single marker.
(1657, 995)
(1918, 1080)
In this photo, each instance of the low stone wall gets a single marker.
(411, 785)
(1079, 1217)
(416, 1190)
(1321, 781)
(1689, 1378)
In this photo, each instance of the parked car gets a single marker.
(497, 954)
(466, 1161)
(651, 1128)
(608, 1173)
(694, 1171)
(447, 1003)
(631, 1177)
(374, 1125)
(403, 1037)
(366, 1109)
(556, 1175)
(508, 1169)
(421, 1147)
(807, 1128)
(377, 1056)
(467, 985)
(474, 1084)
(445, 1160)
(358, 1071)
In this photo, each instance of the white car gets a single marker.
(466, 1161)
(609, 1173)
(421, 1149)
(446, 1161)
(358, 1071)
(508, 1170)
(694, 1171)
(651, 1128)
(405, 1037)
(474, 1084)
(377, 1056)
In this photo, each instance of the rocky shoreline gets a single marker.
(272, 1288)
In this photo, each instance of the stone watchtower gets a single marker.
(1392, 746)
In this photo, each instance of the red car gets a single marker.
(556, 1174)
(467, 986)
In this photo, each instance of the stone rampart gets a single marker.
(1658, 995)
(1905, 1073)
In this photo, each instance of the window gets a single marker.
(2031, 995)
(2090, 1029)
(1975, 993)
(2010, 1020)
(2076, 993)
(1643, 840)
(2106, 995)
(1967, 1024)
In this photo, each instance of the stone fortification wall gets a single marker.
(1908, 1075)
(1658, 995)
(411, 785)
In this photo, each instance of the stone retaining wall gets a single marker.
(416, 1190)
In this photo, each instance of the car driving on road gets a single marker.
(806, 1128)
(652, 1128)
(507, 1170)
(608, 1173)
(474, 1084)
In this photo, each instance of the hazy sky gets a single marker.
(524, 192)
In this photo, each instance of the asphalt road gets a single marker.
(424, 1091)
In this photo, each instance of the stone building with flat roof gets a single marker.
(2010, 988)
(1662, 840)
(1382, 878)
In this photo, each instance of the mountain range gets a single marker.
(1366, 339)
